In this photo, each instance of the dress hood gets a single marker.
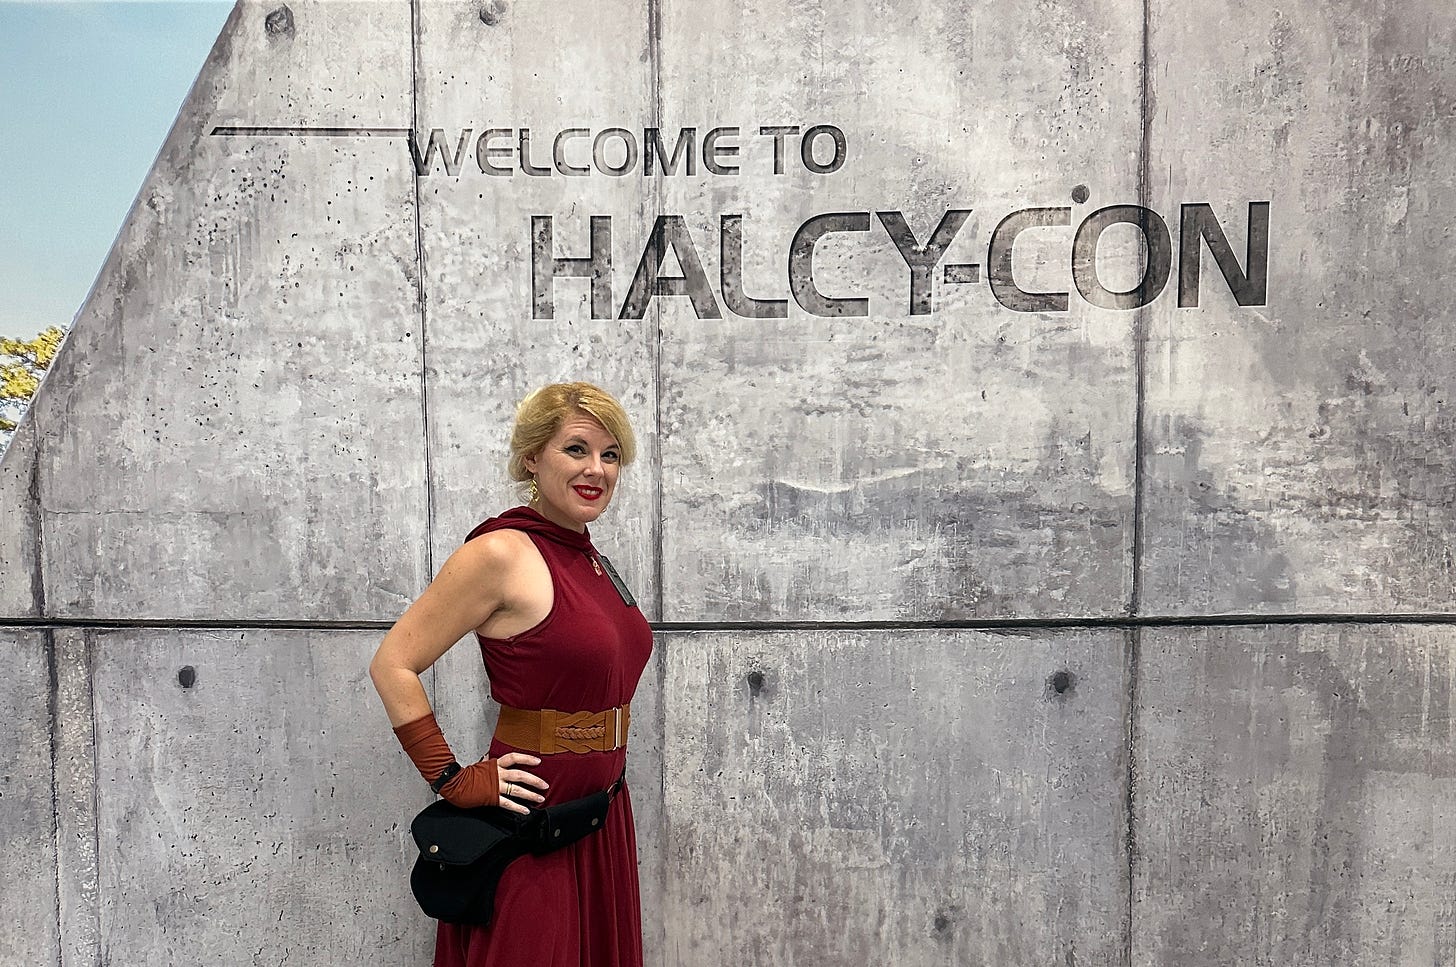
(525, 519)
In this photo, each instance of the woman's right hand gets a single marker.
(496, 782)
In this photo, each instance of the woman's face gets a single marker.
(576, 473)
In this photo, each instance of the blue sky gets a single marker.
(88, 91)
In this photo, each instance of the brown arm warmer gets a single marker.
(477, 784)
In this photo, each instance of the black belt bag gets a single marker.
(463, 852)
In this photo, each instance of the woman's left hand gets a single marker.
(516, 783)
(478, 784)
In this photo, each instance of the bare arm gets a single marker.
(471, 587)
(468, 590)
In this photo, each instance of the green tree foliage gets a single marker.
(22, 364)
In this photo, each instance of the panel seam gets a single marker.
(1140, 332)
(986, 624)
(422, 299)
(53, 709)
(654, 53)
(1140, 480)
(659, 524)
(423, 318)
(89, 651)
(1134, 641)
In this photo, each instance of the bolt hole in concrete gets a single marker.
(187, 676)
(1062, 682)
(755, 681)
(279, 22)
(1080, 194)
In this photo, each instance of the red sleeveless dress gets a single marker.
(578, 906)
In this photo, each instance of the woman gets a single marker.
(557, 633)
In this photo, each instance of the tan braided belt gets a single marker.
(547, 731)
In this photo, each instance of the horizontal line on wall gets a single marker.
(199, 624)
(240, 131)
(993, 624)
(969, 624)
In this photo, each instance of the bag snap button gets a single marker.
(435, 849)
(594, 822)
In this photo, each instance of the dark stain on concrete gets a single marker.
(279, 23)
(966, 546)
(492, 12)
(187, 676)
(1208, 544)
(37, 560)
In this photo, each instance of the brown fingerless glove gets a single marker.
(478, 784)
(475, 785)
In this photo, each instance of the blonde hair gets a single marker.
(543, 412)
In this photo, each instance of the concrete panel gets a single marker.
(1303, 452)
(234, 425)
(29, 932)
(970, 461)
(1295, 801)
(20, 527)
(895, 797)
(259, 813)
(528, 66)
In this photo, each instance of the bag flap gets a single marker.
(449, 834)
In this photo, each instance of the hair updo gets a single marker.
(543, 412)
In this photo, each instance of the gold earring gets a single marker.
(534, 491)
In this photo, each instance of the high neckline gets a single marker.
(531, 521)
(540, 524)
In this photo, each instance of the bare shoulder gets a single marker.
(506, 561)
(498, 551)
(509, 573)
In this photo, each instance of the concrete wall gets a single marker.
(1105, 634)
